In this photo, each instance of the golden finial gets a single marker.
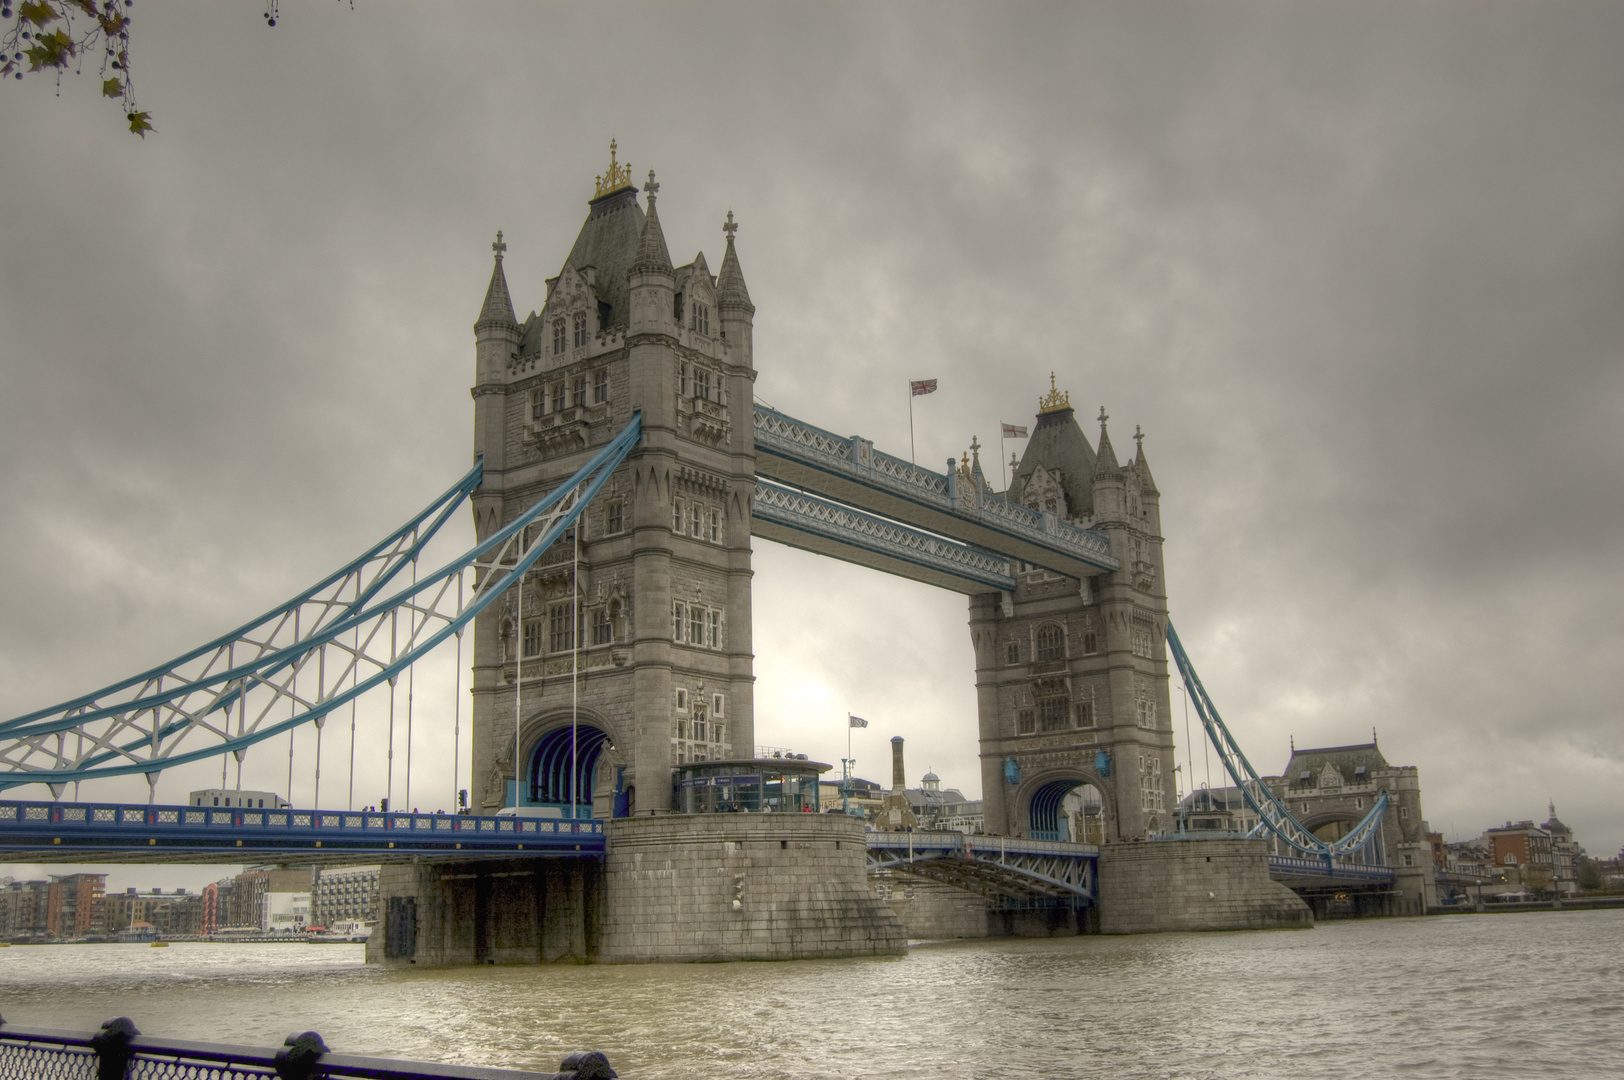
(1054, 400)
(618, 176)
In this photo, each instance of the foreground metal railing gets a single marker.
(118, 1051)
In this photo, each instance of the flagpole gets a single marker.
(912, 457)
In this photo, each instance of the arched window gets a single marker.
(560, 341)
(580, 329)
(1051, 642)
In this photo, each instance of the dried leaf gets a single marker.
(37, 12)
(111, 24)
(140, 123)
(112, 88)
(86, 6)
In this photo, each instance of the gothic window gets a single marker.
(532, 637)
(698, 725)
(679, 616)
(1091, 643)
(676, 516)
(538, 404)
(1013, 655)
(580, 329)
(1085, 714)
(560, 339)
(1142, 638)
(1025, 723)
(578, 391)
(1150, 782)
(714, 520)
(604, 311)
(682, 380)
(614, 516)
(676, 309)
(1052, 712)
(699, 318)
(696, 624)
(694, 520)
(560, 634)
(600, 386)
(558, 396)
(1051, 642)
(717, 700)
(602, 630)
(1144, 707)
(713, 629)
(682, 699)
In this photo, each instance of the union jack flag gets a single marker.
(922, 386)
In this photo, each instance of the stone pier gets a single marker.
(1150, 886)
(507, 911)
(742, 887)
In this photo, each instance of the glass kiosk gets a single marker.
(777, 785)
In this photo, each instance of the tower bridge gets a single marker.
(622, 469)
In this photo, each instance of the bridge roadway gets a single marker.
(850, 471)
(1012, 869)
(118, 832)
(1015, 870)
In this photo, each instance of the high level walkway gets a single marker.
(849, 470)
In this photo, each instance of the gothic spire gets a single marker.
(1147, 483)
(498, 309)
(1105, 460)
(651, 250)
(730, 290)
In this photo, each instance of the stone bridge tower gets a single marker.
(660, 650)
(1071, 675)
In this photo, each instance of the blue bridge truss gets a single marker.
(1010, 869)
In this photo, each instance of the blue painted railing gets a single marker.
(132, 829)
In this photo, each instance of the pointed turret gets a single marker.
(1147, 483)
(1110, 484)
(1105, 459)
(649, 278)
(730, 290)
(496, 345)
(652, 254)
(498, 308)
(733, 299)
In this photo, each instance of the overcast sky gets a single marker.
(1357, 269)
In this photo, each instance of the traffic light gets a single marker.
(383, 805)
(462, 798)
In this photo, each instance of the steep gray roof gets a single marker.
(1347, 759)
(1058, 444)
(608, 243)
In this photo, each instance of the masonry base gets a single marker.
(1155, 886)
(741, 887)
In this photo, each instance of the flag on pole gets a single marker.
(1014, 431)
(921, 386)
(856, 721)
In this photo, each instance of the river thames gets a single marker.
(1524, 995)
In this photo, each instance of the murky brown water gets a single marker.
(1528, 995)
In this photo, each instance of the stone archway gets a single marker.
(1073, 805)
(564, 764)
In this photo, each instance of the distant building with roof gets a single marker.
(1330, 789)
